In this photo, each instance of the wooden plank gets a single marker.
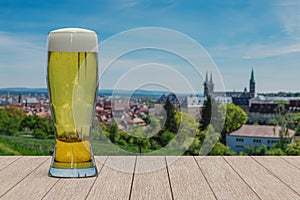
(224, 181)
(73, 188)
(266, 185)
(17, 171)
(187, 180)
(34, 186)
(100, 160)
(114, 181)
(294, 160)
(286, 172)
(151, 179)
(7, 160)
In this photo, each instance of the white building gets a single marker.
(256, 136)
(198, 102)
(193, 105)
(195, 101)
(223, 100)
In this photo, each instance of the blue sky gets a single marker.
(238, 35)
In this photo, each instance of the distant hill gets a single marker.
(16, 91)
(140, 93)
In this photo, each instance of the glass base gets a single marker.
(73, 170)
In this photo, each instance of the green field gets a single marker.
(6, 150)
(18, 145)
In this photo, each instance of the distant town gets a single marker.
(261, 109)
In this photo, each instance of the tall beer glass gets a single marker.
(72, 84)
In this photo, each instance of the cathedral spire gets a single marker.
(252, 76)
(206, 85)
(252, 84)
(211, 84)
(211, 79)
(206, 77)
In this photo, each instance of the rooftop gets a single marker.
(260, 131)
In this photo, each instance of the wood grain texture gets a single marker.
(7, 160)
(17, 171)
(265, 184)
(187, 180)
(286, 172)
(73, 188)
(34, 186)
(224, 181)
(151, 179)
(294, 160)
(114, 181)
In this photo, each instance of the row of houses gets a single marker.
(247, 135)
(39, 105)
(125, 113)
(256, 107)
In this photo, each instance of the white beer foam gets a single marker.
(73, 40)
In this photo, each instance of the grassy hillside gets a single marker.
(18, 145)
(13, 145)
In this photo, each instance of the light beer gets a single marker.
(72, 84)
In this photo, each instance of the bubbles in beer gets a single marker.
(72, 81)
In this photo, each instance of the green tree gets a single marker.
(212, 114)
(140, 138)
(296, 120)
(113, 131)
(297, 132)
(38, 127)
(188, 129)
(170, 123)
(154, 126)
(253, 150)
(194, 148)
(235, 118)
(13, 126)
(29, 122)
(293, 149)
(206, 112)
(275, 152)
(166, 137)
(208, 139)
(284, 120)
(16, 115)
(4, 121)
(9, 124)
(221, 150)
(15, 111)
(102, 136)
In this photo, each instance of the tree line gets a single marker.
(180, 130)
(217, 121)
(14, 121)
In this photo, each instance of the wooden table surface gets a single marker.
(160, 177)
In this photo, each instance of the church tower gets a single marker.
(211, 84)
(206, 86)
(252, 84)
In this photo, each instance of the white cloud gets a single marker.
(264, 51)
(22, 61)
(254, 51)
(288, 13)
